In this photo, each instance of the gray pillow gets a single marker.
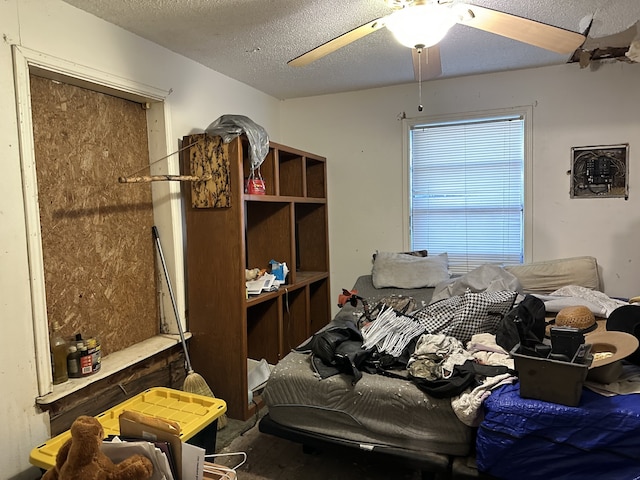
(400, 270)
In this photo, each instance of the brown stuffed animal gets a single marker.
(80, 458)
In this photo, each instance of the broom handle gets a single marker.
(173, 300)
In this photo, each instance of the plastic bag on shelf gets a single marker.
(229, 127)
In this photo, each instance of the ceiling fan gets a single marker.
(421, 24)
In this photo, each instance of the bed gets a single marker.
(393, 416)
(305, 409)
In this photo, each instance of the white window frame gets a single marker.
(526, 112)
(166, 213)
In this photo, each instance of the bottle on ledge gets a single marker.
(58, 347)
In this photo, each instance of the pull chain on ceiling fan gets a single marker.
(419, 51)
(426, 22)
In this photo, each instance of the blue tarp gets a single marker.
(529, 439)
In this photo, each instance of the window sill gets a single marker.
(113, 363)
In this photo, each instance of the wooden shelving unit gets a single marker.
(287, 224)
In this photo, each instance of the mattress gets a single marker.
(524, 438)
(376, 411)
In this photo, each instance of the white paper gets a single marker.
(192, 462)
(257, 374)
(261, 284)
(119, 451)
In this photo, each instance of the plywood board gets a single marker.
(209, 158)
(98, 250)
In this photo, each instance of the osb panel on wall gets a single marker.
(209, 156)
(99, 257)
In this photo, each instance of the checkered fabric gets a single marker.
(463, 316)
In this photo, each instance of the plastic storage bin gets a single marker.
(197, 416)
(550, 380)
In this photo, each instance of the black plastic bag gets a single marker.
(337, 349)
(524, 324)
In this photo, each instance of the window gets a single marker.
(166, 213)
(467, 189)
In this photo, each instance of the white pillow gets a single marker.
(400, 270)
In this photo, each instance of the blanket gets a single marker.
(485, 278)
(599, 303)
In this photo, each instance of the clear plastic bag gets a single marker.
(229, 127)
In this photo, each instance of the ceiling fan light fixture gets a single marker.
(423, 25)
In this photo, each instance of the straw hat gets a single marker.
(608, 347)
(579, 317)
(619, 341)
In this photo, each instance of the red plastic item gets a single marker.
(256, 186)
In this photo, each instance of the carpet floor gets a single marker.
(270, 457)
(273, 458)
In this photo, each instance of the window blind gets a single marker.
(467, 191)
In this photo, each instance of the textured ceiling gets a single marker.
(252, 40)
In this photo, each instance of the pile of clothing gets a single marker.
(447, 348)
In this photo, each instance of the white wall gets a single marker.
(198, 96)
(361, 136)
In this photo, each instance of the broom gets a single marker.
(193, 383)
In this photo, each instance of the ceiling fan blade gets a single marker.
(430, 64)
(522, 29)
(337, 43)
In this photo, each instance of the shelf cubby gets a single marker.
(295, 315)
(291, 174)
(263, 322)
(310, 237)
(315, 177)
(268, 230)
(319, 305)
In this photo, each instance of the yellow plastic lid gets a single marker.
(191, 411)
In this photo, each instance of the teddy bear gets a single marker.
(253, 273)
(80, 457)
